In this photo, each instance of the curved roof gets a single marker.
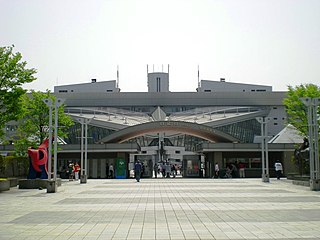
(198, 122)
(193, 129)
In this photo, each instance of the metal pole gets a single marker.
(316, 138)
(84, 137)
(81, 140)
(55, 142)
(311, 141)
(266, 149)
(313, 131)
(159, 147)
(58, 103)
(50, 144)
(262, 149)
(48, 102)
(86, 147)
(83, 178)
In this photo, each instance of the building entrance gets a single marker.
(147, 165)
(192, 166)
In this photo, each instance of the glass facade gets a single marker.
(244, 131)
(94, 134)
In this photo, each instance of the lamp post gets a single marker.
(58, 103)
(84, 136)
(48, 102)
(52, 185)
(264, 148)
(313, 131)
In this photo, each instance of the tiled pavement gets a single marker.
(163, 209)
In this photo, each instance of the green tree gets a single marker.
(297, 111)
(298, 116)
(13, 74)
(33, 128)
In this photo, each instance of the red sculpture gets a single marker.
(38, 161)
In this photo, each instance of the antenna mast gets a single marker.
(198, 78)
(117, 76)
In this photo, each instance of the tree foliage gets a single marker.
(13, 73)
(33, 129)
(297, 111)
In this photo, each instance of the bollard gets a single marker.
(51, 186)
(315, 184)
(83, 179)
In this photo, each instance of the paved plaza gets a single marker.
(162, 209)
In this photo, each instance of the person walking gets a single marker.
(137, 170)
(278, 168)
(216, 171)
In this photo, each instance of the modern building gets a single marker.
(195, 130)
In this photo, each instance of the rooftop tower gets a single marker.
(158, 81)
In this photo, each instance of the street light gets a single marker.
(48, 102)
(264, 147)
(84, 164)
(313, 130)
(52, 185)
(58, 103)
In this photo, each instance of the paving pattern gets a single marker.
(162, 209)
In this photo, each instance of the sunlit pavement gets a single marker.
(174, 208)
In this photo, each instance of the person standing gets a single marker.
(111, 170)
(143, 168)
(71, 171)
(278, 168)
(76, 171)
(163, 169)
(173, 170)
(234, 170)
(155, 169)
(168, 170)
(241, 169)
(137, 170)
(216, 170)
(107, 170)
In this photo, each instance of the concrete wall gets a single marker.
(93, 87)
(223, 86)
(158, 82)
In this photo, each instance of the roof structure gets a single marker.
(199, 122)
(288, 135)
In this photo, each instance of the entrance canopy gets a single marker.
(193, 129)
(198, 122)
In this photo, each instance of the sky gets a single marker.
(267, 42)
